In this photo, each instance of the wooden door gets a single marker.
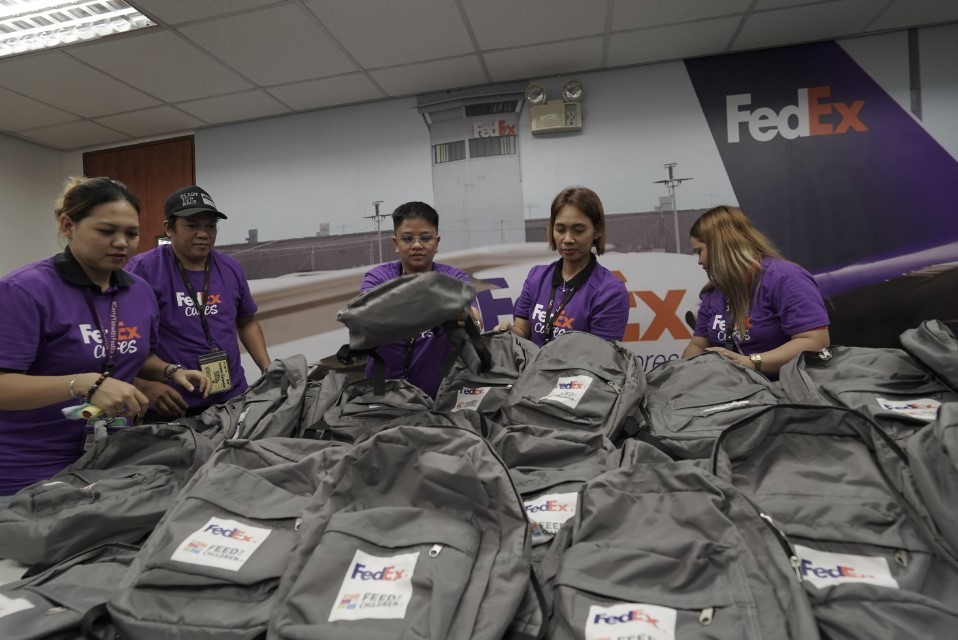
(152, 171)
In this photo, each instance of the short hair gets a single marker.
(586, 201)
(82, 195)
(415, 209)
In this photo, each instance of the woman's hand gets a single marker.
(191, 380)
(735, 357)
(118, 398)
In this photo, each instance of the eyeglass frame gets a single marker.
(414, 237)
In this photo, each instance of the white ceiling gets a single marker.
(210, 62)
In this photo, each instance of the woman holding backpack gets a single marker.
(575, 293)
(77, 329)
(757, 309)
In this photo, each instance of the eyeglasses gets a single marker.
(425, 239)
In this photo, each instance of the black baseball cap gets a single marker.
(189, 201)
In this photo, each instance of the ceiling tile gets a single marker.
(805, 24)
(19, 113)
(431, 76)
(314, 94)
(650, 13)
(177, 11)
(545, 60)
(237, 106)
(151, 122)
(273, 46)
(56, 78)
(72, 135)
(186, 73)
(506, 23)
(688, 40)
(916, 12)
(382, 34)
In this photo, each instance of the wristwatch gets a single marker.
(170, 370)
(756, 359)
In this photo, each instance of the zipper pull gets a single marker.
(297, 524)
(436, 548)
(617, 388)
(901, 557)
(796, 566)
(705, 618)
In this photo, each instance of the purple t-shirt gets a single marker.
(50, 330)
(182, 339)
(599, 302)
(429, 348)
(787, 302)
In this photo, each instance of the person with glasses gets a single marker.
(419, 358)
(77, 328)
(757, 309)
(575, 293)
(205, 305)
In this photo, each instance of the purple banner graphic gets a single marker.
(844, 180)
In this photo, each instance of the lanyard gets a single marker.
(729, 328)
(199, 306)
(553, 315)
(107, 339)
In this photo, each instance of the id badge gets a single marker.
(100, 428)
(217, 369)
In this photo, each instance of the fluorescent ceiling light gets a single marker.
(29, 25)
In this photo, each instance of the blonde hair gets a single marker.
(735, 251)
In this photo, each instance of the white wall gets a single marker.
(30, 181)
(285, 175)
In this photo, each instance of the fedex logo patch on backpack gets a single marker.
(548, 512)
(469, 398)
(378, 588)
(920, 408)
(630, 620)
(825, 569)
(221, 543)
(569, 391)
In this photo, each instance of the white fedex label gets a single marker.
(379, 588)
(547, 514)
(824, 569)
(12, 605)
(630, 620)
(469, 398)
(569, 391)
(921, 408)
(221, 543)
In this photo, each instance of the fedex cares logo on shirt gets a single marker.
(560, 324)
(813, 114)
(825, 569)
(126, 338)
(718, 327)
(630, 620)
(185, 301)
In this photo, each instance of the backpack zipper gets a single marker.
(705, 617)
(435, 551)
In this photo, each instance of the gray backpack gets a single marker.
(211, 568)
(417, 533)
(667, 550)
(688, 403)
(116, 492)
(873, 562)
(319, 396)
(485, 389)
(885, 384)
(579, 381)
(272, 407)
(63, 602)
(933, 461)
(934, 345)
(360, 411)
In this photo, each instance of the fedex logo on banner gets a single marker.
(812, 115)
(492, 129)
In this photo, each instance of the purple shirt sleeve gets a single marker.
(21, 330)
(610, 309)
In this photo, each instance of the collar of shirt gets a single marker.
(70, 270)
(579, 279)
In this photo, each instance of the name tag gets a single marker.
(217, 369)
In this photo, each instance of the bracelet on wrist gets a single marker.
(170, 371)
(95, 386)
(73, 393)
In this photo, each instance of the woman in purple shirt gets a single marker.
(575, 293)
(77, 329)
(757, 310)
